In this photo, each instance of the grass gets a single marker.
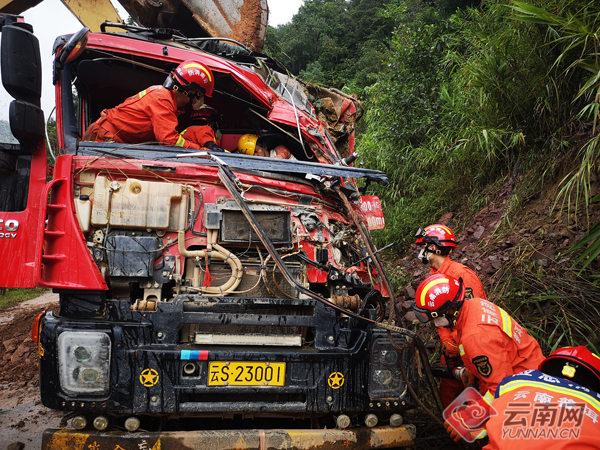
(13, 296)
(558, 309)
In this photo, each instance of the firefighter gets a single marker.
(492, 345)
(555, 407)
(437, 242)
(151, 115)
(251, 144)
(203, 125)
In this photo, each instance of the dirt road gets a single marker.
(22, 416)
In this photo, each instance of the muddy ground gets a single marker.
(22, 416)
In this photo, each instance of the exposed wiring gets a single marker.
(197, 211)
(275, 279)
(228, 178)
(420, 348)
(249, 243)
(275, 125)
(263, 271)
(297, 117)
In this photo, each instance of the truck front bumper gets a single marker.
(350, 439)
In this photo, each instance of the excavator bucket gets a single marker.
(224, 18)
(242, 20)
(91, 13)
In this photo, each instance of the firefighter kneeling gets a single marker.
(492, 344)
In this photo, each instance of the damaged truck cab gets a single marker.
(220, 299)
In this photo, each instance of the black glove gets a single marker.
(213, 147)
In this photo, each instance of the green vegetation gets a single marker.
(461, 96)
(457, 97)
(13, 296)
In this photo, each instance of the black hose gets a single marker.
(366, 236)
(399, 349)
(227, 177)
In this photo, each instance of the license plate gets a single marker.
(237, 373)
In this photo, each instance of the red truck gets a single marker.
(206, 299)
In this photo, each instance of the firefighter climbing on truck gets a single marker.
(151, 115)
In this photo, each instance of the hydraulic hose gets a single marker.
(364, 233)
(228, 179)
(218, 252)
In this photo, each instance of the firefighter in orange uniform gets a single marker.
(437, 242)
(151, 115)
(202, 128)
(492, 344)
(554, 408)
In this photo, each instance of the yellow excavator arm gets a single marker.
(244, 21)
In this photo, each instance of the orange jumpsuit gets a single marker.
(199, 134)
(493, 345)
(538, 412)
(449, 389)
(147, 117)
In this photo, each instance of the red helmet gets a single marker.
(193, 75)
(205, 115)
(577, 364)
(437, 234)
(436, 295)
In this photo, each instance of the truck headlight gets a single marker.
(385, 378)
(84, 362)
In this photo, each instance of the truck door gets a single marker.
(22, 155)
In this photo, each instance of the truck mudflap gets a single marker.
(351, 439)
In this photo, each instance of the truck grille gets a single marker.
(253, 314)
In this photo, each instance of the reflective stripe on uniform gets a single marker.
(461, 349)
(180, 141)
(482, 434)
(488, 397)
(451, 346)
(517, 384)
(141, 94)
(506, 322)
